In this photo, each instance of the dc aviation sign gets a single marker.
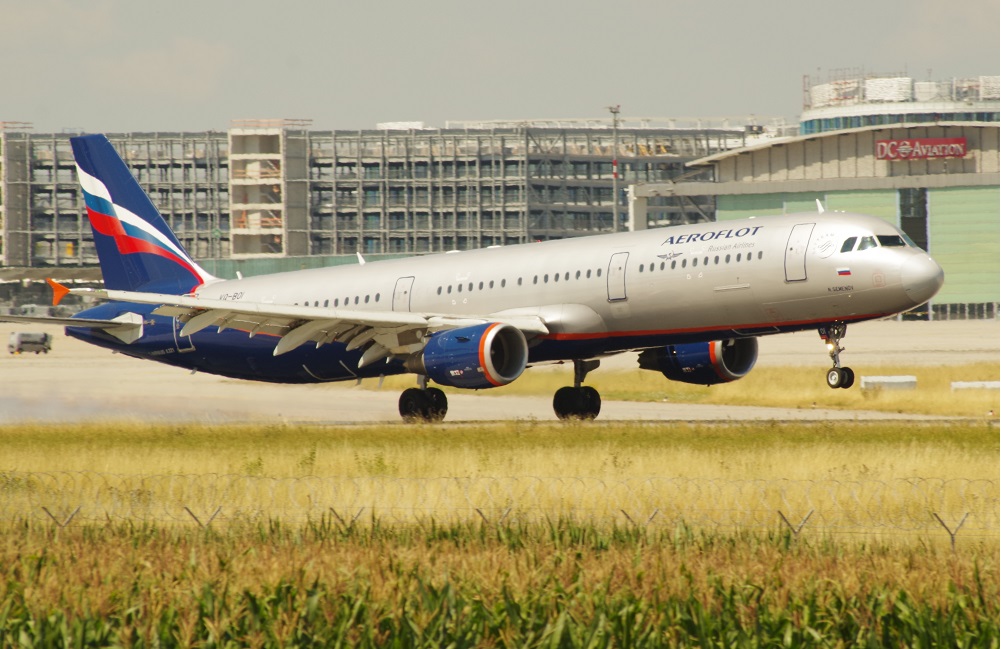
(921, 148)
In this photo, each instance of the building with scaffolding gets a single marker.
(276, 189)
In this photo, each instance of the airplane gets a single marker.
(692, 300)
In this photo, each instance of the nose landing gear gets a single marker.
(837, 376)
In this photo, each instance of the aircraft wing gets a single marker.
(386, 333)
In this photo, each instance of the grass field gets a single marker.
(606, 450)
(561, 581)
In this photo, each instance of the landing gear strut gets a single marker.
(837, 376)
(423, 404)
(578, 402)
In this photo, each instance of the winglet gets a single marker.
(820, 207)
(58, 291)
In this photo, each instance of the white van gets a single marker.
(20, 342)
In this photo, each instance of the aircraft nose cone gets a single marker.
(921, 277)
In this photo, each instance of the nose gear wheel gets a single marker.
(837, 376)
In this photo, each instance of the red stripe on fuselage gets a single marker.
(719, 328)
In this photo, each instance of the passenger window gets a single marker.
(848, 244)
(866, 243)
(674, 265)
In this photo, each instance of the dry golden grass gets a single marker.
(609, 450)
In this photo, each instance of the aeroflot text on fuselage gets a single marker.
(712, 236)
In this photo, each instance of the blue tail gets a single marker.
(135, 246)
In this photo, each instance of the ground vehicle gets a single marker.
(20, 342)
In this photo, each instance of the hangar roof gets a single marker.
(830, 134)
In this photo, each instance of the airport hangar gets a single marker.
(938, 182)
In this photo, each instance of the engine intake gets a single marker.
(718, 361)
(483, 356)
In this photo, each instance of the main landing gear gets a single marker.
(578, 402)
(423, 404)
(837, 376)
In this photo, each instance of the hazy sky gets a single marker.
(195, 65)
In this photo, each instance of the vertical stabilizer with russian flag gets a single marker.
(135, 246)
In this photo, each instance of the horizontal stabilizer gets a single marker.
(127, 327)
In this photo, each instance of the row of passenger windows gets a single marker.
(471, 286)
(705, 261)
(358, 299)
(546, 278)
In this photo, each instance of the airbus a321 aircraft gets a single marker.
(691, 299)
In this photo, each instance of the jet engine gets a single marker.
(483, 356)
(718, 361)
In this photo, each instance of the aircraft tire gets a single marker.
(567, 403)
(414, 405)
(439, 404)
(847, 377)
(592, 402)
(835, 376)
(577, 403)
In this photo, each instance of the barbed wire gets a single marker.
(834, 506)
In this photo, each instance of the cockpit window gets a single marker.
(848, 244)
(866, 243)
(891, 241)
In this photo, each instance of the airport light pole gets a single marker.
(614, 110)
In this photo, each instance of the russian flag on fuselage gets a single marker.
(128, 229)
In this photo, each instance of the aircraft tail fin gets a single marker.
(135, 246)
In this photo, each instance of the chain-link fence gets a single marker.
(833, 506)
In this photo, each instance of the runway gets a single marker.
(82, 383)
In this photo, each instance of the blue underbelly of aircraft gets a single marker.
(233, 353)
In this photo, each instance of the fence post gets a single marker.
(209, 521)
(952, 533)
(68, 518)
(795, 530)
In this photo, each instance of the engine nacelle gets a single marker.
(719, 361)
(484, 356)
